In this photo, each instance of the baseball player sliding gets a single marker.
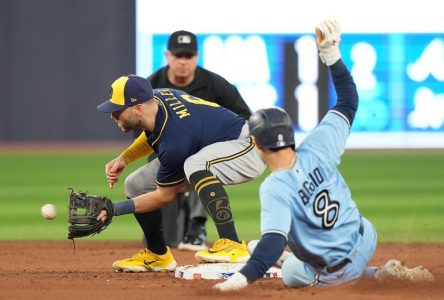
(306, 203)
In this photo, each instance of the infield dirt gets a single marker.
(50, 270)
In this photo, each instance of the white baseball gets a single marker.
(49, 211)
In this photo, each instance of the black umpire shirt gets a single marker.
(208, 86)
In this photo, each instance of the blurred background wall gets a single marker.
(59, 57)
(57, 61)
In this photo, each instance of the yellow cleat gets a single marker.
(146, 261)
(224, 251)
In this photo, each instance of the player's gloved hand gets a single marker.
(236, 282)
(327, 39)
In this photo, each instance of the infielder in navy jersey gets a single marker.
(184, 220)
(305, 202)
(199, 145)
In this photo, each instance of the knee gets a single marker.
(293, 273)
(191, 166)
(135, 185)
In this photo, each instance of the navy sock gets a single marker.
(215, 200)
(151, 224)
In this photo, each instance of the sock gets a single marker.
(151, 224)
(215, 200)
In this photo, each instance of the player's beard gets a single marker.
(130, 123)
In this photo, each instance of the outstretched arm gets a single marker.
(347, 102)
(265, 255)
(328, 38)
(147, 202)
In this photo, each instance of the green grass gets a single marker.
(399, 191)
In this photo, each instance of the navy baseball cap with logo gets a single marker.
(127, 91)
(182, 42)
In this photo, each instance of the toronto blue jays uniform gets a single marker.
(310, 207)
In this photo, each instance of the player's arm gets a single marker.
(265, 255)
(328, 140)
(327, 39)
(147, 202)
(275, 225)
(115, 167)
(347, 101)
(159, 198)
(139, 148)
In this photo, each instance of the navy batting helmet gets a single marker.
(272, 128)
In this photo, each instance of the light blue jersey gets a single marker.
(314, 209)
(309, 206)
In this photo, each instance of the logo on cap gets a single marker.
(184, 39)
(127, 91)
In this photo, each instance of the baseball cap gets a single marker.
(182, 42)
(127, 91)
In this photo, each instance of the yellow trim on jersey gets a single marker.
(248, 149)
(207, 184)
(118, 90)
(199, 101)
(170, 183)
(139, 148)
(164, 122)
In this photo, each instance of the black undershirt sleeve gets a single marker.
(266, 254)
(347, 102)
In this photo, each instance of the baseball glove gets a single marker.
(83, 212)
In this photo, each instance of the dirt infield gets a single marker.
(50, 270)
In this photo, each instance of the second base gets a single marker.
(217, 271)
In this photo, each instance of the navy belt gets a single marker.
(361, 226)
(339, 266)
(346, 261)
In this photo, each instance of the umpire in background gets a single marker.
(184, 219)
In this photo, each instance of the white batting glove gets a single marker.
(236, 282)
(327, 39)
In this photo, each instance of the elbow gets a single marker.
(168, 195)
(166, 199)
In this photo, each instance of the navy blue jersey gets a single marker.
(184, 125)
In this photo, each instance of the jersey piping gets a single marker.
(233, 156)
(164, 122)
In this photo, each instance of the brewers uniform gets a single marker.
(199, 145)
(186, 126)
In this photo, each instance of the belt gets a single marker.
(339, 266)
(346, 261)
(361, 226)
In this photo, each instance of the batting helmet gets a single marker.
(272, 128)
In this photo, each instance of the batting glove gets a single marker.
(236, 282)
(327, 39)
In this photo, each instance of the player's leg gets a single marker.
(174, 215)
(208, 170)
(157, 256)
(358, 258)
(297, 274)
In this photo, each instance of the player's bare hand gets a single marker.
(114, 168)
(103, 215)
